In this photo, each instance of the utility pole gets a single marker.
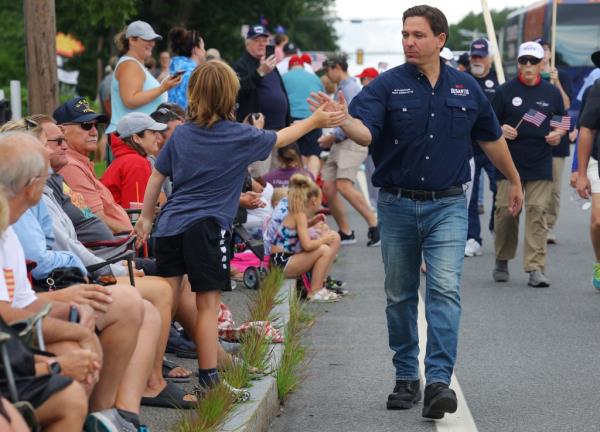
(40, 32)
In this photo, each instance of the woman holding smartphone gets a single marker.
(133, 87)
(188, 47)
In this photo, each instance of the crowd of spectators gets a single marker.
(193, 148)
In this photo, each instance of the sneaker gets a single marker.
(596, 277)
(551, 237)
(108, 421)
(347, 239)
(374, 238)
(537, 279)
(501, 271)
(337, 286)
(405, 395)
(240, 395)
(439, 399)
(472, 248)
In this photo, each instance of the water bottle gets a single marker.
(583, 204)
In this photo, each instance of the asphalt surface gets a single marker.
(528, 358)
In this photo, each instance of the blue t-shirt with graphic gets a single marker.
(207, 167)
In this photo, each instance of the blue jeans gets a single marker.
(481, 162)
(438, 230)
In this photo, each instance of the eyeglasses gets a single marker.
(527, 59)
(59, 141)
(86, 126)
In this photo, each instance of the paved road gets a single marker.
(528, 358)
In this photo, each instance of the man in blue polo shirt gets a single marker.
(481, 69)
(420, 118)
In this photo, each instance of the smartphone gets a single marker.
(73, 314)
(178, 73)
(270, 51)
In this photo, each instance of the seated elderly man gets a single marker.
(128, 326)
(79, 124)
(35, 231)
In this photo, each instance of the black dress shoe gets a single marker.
(439, 399)
(405, 395)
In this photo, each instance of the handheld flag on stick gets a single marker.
(534, 117)
(561, 122)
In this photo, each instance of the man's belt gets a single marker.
(422, 195)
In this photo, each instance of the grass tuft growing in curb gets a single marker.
(212, 410)
(256, 350)
(289, 370)
(261, 305)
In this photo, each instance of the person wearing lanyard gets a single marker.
(420, 118)
(481, 69)
(524, 106)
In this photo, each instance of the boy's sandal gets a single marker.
(172, 396)
(324, 296)
(172, 372)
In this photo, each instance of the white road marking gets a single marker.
(461, 420)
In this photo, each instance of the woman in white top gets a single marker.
(133, 87)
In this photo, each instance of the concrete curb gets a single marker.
(256, 414)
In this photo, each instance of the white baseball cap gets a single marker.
(137, 122)
(446, 54)
(142, 30)
(532, 49)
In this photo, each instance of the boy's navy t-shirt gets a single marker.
(530, 152)
(208, 167)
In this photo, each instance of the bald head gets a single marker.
(22, 158)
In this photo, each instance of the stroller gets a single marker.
(253, 275)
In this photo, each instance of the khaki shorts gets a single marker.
(344, 161)
(592, 173)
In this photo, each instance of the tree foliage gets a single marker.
(475, 23)
(95, 22)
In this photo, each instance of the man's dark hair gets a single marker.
(338, 59)
(436, 18)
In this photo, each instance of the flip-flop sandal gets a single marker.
(324, 296)
(168, 366)
(172, 396)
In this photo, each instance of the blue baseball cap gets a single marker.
(77, 110)
(256, 31)
(480, 48)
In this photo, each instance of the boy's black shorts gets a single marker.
(201, 252)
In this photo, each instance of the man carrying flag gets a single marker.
(524, 107)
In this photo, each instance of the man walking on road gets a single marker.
(525, 107)
(588, 181)
(481, 69)
(420, 118)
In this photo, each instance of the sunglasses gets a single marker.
(527, 59)
(58, 140)
(86, 126)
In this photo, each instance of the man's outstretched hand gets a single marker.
(318, 99)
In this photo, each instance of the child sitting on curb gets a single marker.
(294, 251)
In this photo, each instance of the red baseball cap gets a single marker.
(306, 58)
(295, 60)
(368, 73)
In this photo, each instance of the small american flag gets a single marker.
(535, 117)
(561, 122)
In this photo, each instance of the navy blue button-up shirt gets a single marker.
(421, 136)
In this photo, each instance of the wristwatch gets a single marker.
(54, 367)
